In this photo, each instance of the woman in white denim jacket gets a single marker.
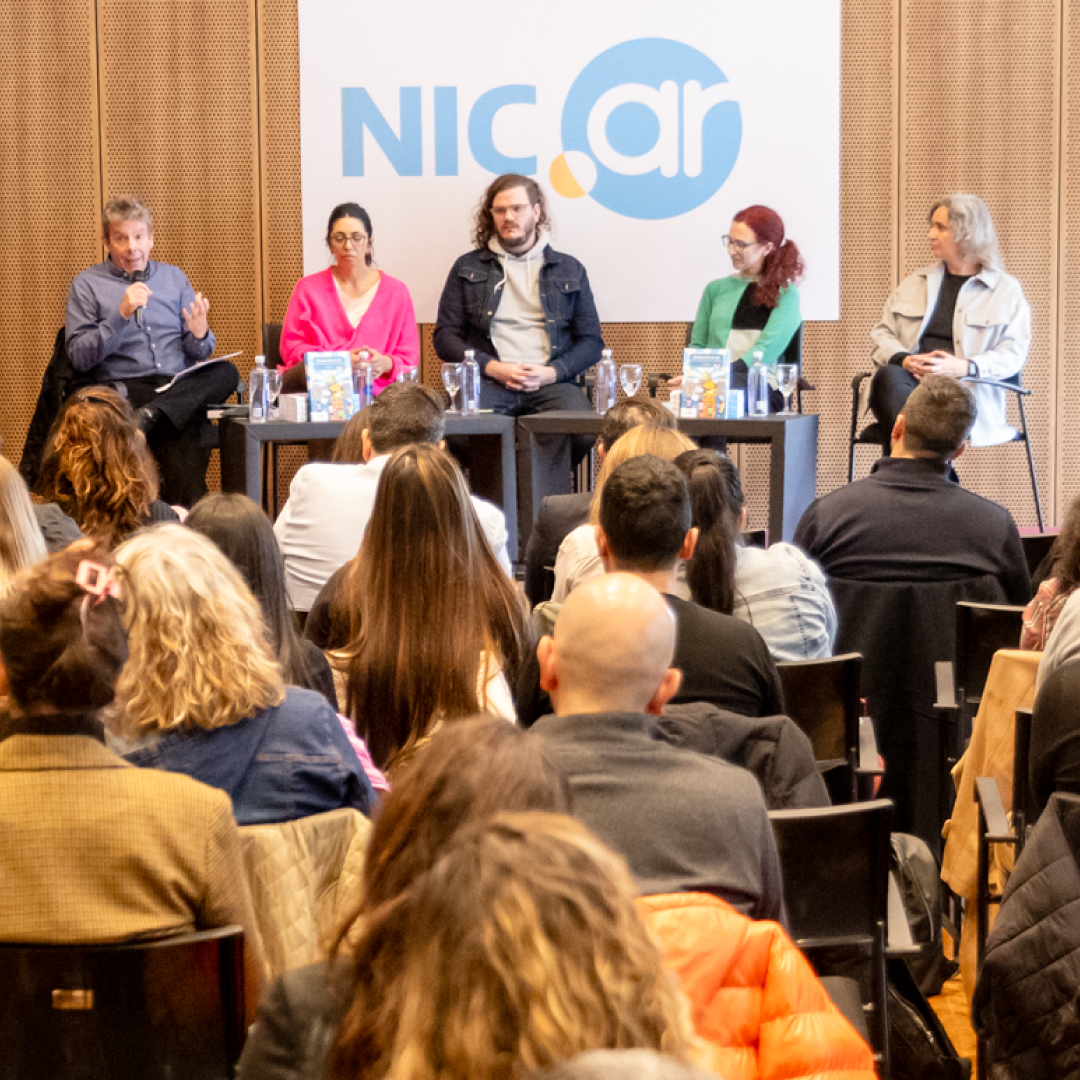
(779, 590)
(983, 330)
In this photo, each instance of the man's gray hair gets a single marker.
(973, 229)
(938, 417)
(125, 208)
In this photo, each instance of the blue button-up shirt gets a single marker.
(100, 338)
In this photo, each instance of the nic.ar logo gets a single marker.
(649, 130)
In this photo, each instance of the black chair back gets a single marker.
(1025, 809)
(981, 629)
(271, 335)
(822, 697)
(145, 1011)
(835, 865)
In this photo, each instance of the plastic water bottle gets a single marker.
(470, 384)
(606, 384)
(757, 386)
(364, 381)
(259, 392)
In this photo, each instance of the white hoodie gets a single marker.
(519, 326)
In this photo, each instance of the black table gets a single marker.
(242, 445)
(792, 442)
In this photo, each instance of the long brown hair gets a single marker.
(21, 542)
(97, 464)
(1066, 567)
(423, 598)
(716, 502)
(520, 947)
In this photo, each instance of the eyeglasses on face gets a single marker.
(502, 211)
(739, 245)
(340, 239)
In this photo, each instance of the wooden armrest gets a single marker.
(993, 810)
(944, 679)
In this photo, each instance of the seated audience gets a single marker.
(778, 590)
(579, 558)
(98, 469)
(21, 541)
(244, 534)
(469, 772)
(94, 850)
(425, 623)
(906, 521)
(645, 530)
(329, 505)
(684, 822)
(757, 307)
(560, 514)
(352, 306)
(202, 692)
(1054, 749)
(1041, 615)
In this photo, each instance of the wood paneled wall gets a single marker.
(195, 107)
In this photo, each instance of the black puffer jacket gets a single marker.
(1025, 1003)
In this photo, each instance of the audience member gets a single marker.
(329, 505)
(683, 821)
(351, 306)
(560, 514)
(349, 445)
(426, 624)
(467, 773)
(92, 849)
(579, 557)
(961, 316)
(244, 534)
(21, 541)
(1062, 645)
(645, 530)
(98, 469)
(906, 521)
(757, 307)
(134, 324)
(1054, 748)
(777, 590)
(202, 692)
(1043, 611)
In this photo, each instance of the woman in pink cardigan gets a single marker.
(351, 305)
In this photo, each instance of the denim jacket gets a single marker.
(469, 301)
(287, 762)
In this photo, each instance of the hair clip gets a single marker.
(98, 580)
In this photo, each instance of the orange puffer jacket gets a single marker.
(753, 996)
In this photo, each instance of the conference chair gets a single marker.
(835, 866)
(1037, 547)
(872, 435)
(147, 1010)
(823, 698)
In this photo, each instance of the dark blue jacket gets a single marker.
(289, 761)
(468, 304)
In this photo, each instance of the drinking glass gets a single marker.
(630, 377)
(787, 378)
(407, 375)
(451, 380)
(273, 389)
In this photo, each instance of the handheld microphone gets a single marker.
(140, 312)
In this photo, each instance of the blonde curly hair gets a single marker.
(666, 443)
(519, 948)
(199, 651)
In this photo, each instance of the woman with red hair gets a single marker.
(757, 307)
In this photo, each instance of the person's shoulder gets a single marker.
(308, 703)
(394, 286)
(166, 791)
(472, 258)
(702, 625)
(562, 258)
(332, 476)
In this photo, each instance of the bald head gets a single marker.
(612, 649)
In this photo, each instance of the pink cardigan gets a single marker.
(316, 322)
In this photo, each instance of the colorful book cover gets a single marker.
(706, 384)
(330, 386)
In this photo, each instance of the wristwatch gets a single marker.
(973, 369)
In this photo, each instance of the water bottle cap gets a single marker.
(260, 361)
(607, 354)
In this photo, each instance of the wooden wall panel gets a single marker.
(984, 117)
(179, 115)
(49, 190)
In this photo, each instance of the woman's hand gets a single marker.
(380, 362)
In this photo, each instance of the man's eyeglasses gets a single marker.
(340, 239)
(502, 211)
(739, 245)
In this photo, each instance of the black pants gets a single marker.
(182, 438)
(553, 398)
(890, 387)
